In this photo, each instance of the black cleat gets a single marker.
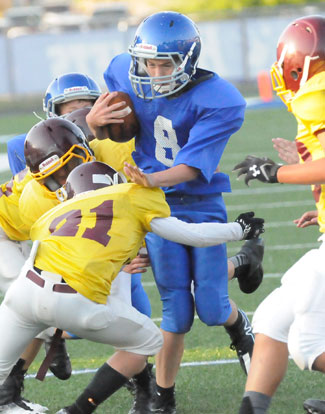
(61, 365)
(11, 400)
(163, 405)
(242, 337)
(249, 281)
(142, 388)
(314, 406)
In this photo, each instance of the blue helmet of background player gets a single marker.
(164, 35)
(68, 87)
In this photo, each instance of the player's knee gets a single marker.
(179, 324)
(178, 311)
(154, 342)
(300, 359)
(213, 311)
(213, 318)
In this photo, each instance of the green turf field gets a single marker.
(206, 384)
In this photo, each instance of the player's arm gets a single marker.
(246, 226)
(172, 176)
(266, 170)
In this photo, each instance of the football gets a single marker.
(120, 132)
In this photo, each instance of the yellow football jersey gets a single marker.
(10, 218)
(90, 237)
(35, 200)
(113, 153)
(308, 106)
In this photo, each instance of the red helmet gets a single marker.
(91, 176)
(51, 144)
(300, 55)
(78, 117)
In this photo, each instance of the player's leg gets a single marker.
(213, 304)
(13, 255)
(20, 331)
(11, 389)
(271, 323)
(171, 267)
(268, 367)
(133, 334)
(140, 299)
(109, 378)
(306, 340)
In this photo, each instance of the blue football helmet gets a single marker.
(68, 87)
(164, 35)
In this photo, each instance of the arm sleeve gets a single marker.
(196, 234)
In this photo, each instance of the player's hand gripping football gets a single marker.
(137, 176)
(252, 226)
(255, 168)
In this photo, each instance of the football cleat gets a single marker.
(243, 340)
(34, 406)
(61, 365)
(163, 405)
(14, 408)
(11, 400)
(142, 393)
(314, 406)
(254, 250)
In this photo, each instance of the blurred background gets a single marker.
(40, 39)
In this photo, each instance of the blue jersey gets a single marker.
(16, 157)
(192, 128)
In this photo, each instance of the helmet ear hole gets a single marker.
(294, 75)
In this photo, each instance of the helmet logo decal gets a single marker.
(145, 46)
(54, 159)
(76, 89)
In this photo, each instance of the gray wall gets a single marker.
(236, 49)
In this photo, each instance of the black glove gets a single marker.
(262, 169)
(252, 226)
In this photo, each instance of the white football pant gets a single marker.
(294, 313)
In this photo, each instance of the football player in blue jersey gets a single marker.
(77, 89)
(187, 116)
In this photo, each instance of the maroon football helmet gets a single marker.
(78, 117)
(50, 145)
(300, 55)
(91, 176)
